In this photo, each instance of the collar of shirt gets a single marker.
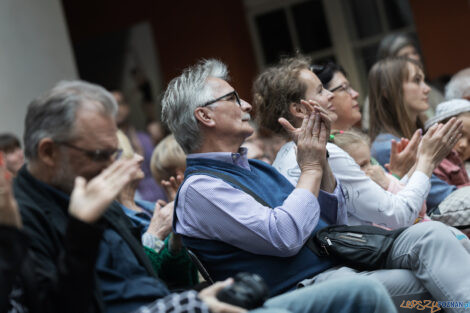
(240, 158)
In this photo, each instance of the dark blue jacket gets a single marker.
(78, 269)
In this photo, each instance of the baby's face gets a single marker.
(463, 145)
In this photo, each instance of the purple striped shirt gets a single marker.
(210, 208)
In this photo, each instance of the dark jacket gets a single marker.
(13, 248)
(65, 250)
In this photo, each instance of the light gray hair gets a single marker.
(459, 86)
(183, 95)
(52, 115)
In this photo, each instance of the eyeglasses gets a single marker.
(343, 87)
(96, 155)
(230, 94)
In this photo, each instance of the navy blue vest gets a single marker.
(223, 260)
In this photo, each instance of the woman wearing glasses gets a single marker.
(365, 201)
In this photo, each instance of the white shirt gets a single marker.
(365, 201)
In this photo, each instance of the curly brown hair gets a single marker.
(275, 89)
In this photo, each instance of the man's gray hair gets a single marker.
(184, 94)
(52, 115)
(459, 85)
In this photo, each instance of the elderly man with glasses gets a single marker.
(86, 260)
(241, 215)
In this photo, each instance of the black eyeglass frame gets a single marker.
(95, 155)
(344, 86)
(237, 98)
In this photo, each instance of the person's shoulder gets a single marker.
(285, 154)
(384, 138)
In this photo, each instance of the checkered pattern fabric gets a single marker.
(455, 209)
(185, 302)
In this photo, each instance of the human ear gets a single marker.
(47, 152)
(205, 116)
(297, 110)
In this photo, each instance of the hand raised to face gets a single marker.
(89, 200)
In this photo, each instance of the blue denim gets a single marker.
(342, 295)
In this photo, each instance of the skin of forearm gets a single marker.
(328, 181)
(425, 165)
(311, 180)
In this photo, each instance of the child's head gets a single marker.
(168, 159)
(12, 152)
(463, 145)
(355, 143)
(459, 108)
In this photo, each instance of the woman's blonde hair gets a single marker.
(167, 158)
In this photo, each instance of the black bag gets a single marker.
(362, 247)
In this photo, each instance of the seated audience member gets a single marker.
(88, 202)
(12, 152)
(168, 160)
(142, 143)
(87, 259)
(13, 243)
(364, 200)
(452, 169)
(398, 94)
(239, 214)
(459, 85)
(357, 145)
(459, 88)
(402, 45)
(153, 220)
(71, 131)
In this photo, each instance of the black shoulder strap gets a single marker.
(230, 179)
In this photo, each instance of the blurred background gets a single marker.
(139, 46)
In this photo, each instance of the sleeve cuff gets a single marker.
(152, 242)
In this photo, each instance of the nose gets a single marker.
(354, 93)
(462, 144)
(329, 94)
(427, 89)
(245, 106)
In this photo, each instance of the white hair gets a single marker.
(183, 95)
(459, 85)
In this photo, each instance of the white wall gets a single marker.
(35, 53)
